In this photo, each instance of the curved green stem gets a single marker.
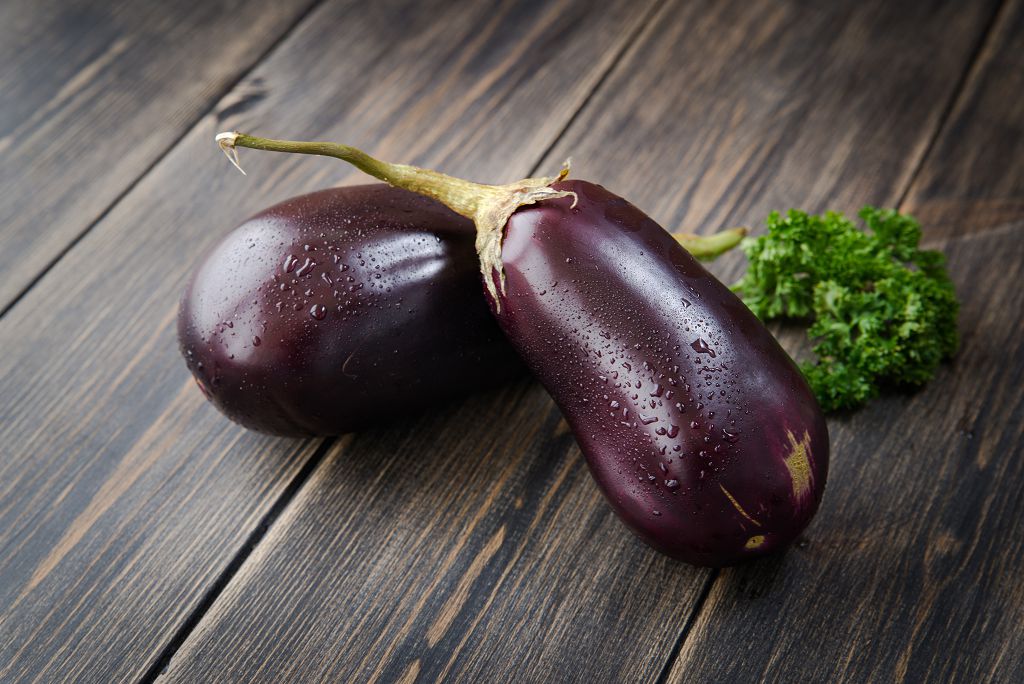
(488, 206)
(708, 247)
(461, 196)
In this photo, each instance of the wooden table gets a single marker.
(143, 536)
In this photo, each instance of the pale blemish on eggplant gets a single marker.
(755, 542)
(798, 464)
(736, 505)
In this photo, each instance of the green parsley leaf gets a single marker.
(881, 312)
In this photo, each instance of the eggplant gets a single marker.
(339, 308)
(696, 424)
(331, 310)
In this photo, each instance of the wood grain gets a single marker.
(123, 495)
(409, 543)
(974, 177)
(94, 93)
(909, 572)
(842, 118)
(472, 545)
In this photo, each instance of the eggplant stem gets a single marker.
(488, 206)
(708, 247)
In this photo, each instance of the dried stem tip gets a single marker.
(226, 142)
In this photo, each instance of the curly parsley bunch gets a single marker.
(882, 312)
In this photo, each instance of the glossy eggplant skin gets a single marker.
(339, 308)
(697, 426)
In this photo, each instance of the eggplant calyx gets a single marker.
(492, 213)
(488, 206)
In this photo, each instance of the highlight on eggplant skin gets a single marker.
(340, 308)
(697, 426)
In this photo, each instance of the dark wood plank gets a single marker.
(94, 93)
(910, 572)
(974, 179)
(123, 495)
(830, 123)
(473, 545)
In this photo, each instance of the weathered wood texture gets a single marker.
(911, 570)
(94, 93)
(975, 176)
(744, 109)
(472, 543)
(123, 495)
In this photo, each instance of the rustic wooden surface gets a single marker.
(973, 180)
(94, 94)
(143, 536)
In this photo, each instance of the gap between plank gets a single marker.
(968, 73)
(159, 665)
(186, 129)
(631, 40)
(688, 627)
(972, 64)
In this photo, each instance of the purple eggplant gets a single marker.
(697, 426)
(338, 308)
(333, 309)
(695, 423)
